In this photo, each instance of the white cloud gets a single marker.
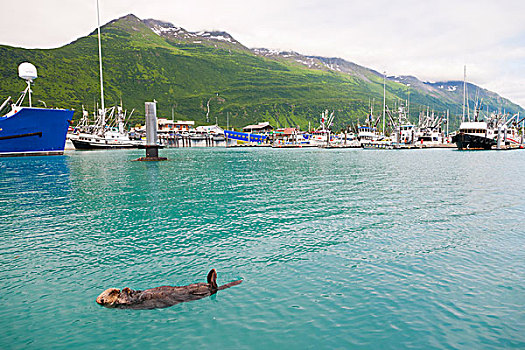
(429, 39)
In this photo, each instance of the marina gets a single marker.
(109, 128)
(406, 136)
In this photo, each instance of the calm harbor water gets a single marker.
(337, 248)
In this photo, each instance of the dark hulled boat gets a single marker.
(474, 135)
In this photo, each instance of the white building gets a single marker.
(210, 129)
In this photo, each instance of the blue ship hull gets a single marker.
(34, 131)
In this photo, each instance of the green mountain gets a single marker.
(185, 72)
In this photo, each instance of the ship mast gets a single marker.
(384, 102)
(465, 95)
(103, 116)
(464, 91)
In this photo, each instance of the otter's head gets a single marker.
(108, 297)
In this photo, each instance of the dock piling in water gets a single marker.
(152, 146)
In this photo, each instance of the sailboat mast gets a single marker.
(447, 121)
(464, 90)
(408, 99)
(384, 101)
(100, 64)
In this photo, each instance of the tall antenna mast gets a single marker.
(100, 62)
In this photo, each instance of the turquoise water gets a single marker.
(337, 248)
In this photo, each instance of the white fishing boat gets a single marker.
(322, 136)
(368, 133)
(105, 135)
(429, 132)
(404, 132)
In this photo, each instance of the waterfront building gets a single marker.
(260, 128)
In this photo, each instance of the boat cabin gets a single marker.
(367, 133)
(479, 128)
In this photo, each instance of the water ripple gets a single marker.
(337, 248)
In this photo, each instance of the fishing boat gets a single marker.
(322, 136)
(494, 131)
(403, 131)
(101, 134)
(429, 132)
(368, 132)
(402, 134)
(104, 135)
(28, 130)
(474, 135)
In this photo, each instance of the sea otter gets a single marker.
(161, 297)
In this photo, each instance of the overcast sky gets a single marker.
(430, 39)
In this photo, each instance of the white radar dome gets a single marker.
(27, 71)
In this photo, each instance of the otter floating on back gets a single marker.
(161, 297)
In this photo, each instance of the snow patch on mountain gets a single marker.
(166, 29)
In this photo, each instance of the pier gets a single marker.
(193, 140)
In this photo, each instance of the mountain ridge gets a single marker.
(152, 59)
(311, 61)
(345, 66)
